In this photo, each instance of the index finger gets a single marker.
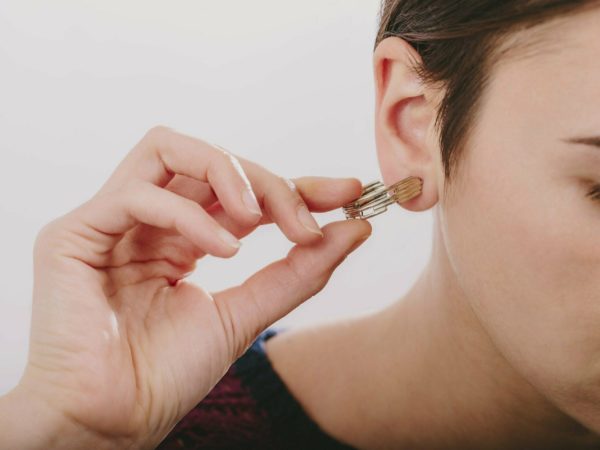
(162, 153)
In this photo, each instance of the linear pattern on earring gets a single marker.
(375, 197)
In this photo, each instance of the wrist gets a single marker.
(30, 423)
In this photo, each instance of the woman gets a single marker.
(496, 106)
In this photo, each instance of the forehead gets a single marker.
(561, 42)
(550, 72)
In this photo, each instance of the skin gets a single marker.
(497, 344)
(121, 346)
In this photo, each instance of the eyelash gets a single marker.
(594, 193)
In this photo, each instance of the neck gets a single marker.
(441, 382)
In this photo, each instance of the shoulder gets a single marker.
(250, 407)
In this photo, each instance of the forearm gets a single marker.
(28, 423)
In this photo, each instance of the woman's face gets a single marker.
(521, 234)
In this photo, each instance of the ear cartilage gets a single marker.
(375, 197)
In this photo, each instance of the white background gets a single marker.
(285, 83)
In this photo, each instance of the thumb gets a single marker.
(275, 290)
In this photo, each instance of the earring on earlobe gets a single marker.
(375, 197)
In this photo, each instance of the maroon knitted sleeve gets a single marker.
(250, 408)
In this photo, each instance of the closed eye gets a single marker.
(593, 141)
(594, 192)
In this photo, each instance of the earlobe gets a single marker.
(404, 119)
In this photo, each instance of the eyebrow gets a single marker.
(586, 140)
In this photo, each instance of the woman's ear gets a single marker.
(405, 111)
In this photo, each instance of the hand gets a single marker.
(121, 347)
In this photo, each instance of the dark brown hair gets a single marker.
(457, 41)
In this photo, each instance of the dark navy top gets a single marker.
(250, 408)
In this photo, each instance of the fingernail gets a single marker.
(250, 201)
(229, 238)
(358, 243)
(308, 221)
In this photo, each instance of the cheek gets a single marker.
(531, 275)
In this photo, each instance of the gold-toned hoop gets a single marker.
(375, 197)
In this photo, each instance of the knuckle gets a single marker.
(156, 138)
(157, 132)
(47, 234)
